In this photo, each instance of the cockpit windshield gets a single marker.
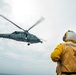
(16, 32)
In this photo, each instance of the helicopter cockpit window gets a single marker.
(15, 32)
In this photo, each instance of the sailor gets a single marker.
(65, 54)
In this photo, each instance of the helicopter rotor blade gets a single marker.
(41, 19)
(12, 22)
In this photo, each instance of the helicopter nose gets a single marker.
(40, 41)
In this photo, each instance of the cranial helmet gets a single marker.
(69, 36)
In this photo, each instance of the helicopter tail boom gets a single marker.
(4, 36)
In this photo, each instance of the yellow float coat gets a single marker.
(65, 56)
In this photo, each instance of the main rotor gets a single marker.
(40, 20)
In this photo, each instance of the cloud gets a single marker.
(17, 57)
(4, 7)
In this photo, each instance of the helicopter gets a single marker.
(24, 35)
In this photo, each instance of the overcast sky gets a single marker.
(18, 58)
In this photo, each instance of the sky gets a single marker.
(18, 58)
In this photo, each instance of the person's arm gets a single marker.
(55, 55)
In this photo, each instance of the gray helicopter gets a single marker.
(23, 36)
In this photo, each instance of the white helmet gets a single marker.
(69, 36)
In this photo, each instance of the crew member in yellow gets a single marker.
(65, 54)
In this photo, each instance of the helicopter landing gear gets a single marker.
(28, 44)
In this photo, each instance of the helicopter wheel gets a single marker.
(28, 44)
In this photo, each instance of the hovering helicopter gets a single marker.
(23, 36)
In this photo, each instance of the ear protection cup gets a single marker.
(64, 37)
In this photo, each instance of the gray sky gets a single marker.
(18, 58)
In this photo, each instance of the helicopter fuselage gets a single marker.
(22, 36)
